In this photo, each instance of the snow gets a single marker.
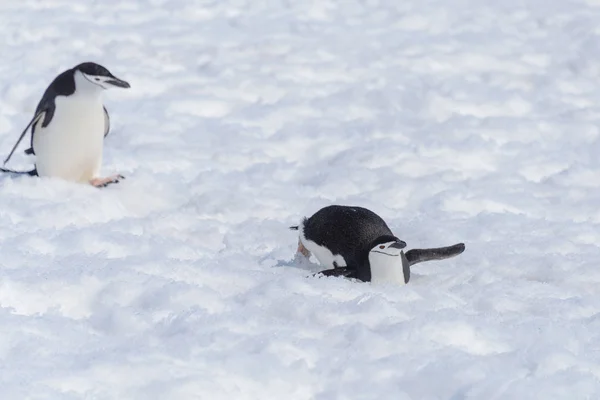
(456, 121)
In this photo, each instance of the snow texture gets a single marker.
(455, 120)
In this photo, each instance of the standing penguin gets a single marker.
(357, 243)
(69, 126)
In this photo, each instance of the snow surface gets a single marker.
(455, 120)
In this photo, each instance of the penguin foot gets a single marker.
(103, 182)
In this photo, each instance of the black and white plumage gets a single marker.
(30, 151)
(69, 125)
(357, 243)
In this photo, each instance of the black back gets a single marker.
(350, 232)
(62, 85)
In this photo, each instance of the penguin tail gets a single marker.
(416, 256)
(33, 172)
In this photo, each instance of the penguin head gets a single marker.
(387, 261)
(92, 76)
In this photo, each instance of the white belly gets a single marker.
(70, 147)
(386, 269)
(323, 254)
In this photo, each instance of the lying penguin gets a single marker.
(69, 126)
(357, 243)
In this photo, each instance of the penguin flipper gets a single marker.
(346, 272)
(416, 256)
(106, 122)
(46, 106)
(36, 118)
(405, 267)
(33, 172)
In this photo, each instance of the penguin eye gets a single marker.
(382, 247)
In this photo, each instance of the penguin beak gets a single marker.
(398, 245)
(118, 82)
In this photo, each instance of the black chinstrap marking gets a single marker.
(381, 252)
